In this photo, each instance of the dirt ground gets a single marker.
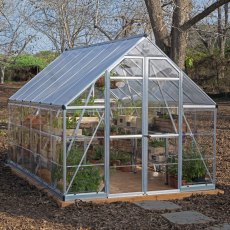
(22, 206)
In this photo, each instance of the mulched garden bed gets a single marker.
(22, 206)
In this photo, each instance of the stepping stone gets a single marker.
(187, 217)
(224, 226)
(157, 205)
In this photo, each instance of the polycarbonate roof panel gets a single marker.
(129, 68)
(131, 90)
(146, 49)
(162, 69)
(194, 93)
(160, 91)
(73, 71)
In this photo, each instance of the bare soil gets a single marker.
(23, 206)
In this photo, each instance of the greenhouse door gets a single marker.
(125, 136)
(161, 125)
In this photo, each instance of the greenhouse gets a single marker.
(113, 119)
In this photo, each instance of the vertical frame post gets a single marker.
(64, 151)
(50, 130)
(214, 147)
(145, 126)
(107, 132)
(180, 130)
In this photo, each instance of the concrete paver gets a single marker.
(158, 205)
(224, 226)
(187, 217)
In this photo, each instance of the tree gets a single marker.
(117, 19)
(173, 40)
(13, 36)
(223, 28)
(63, 22)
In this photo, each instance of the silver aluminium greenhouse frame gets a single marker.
(144, 137)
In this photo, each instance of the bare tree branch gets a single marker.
(203, 14)
(226, 13)
(166, 4)
(103, 32)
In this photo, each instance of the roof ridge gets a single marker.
(108, 42)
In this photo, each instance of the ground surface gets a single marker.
(24, 207)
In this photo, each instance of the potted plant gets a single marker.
(193, 166)
(57, 126)
(193, 169)
(88, 178)
(97, 155)
(172, 172)
(156, 146)
(163, 123)
(121, 159)
(113, 129)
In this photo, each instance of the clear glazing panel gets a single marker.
(193, 94)
(146, 48)
(85, 150)
(37, 143)
(15, 130)
(162, 164)
(126, 107)
(85, 167)
(125, 165)
(162, 107)
(198, 147)
(166, 92)
(94, 93)
(162, 69)
(128, 68)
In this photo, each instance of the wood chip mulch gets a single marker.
(22, 206)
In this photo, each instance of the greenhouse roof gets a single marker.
(76, 69)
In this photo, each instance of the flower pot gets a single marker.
(57, 131)
(115, 121)
(60, 185)
(100, 82)
(128, 121)
(69, 132)
(45, 174)
(165, 125)
(126, 168)
(95, 161)
(115, 163)
(199, 179)
(173, 182)
(88, 122)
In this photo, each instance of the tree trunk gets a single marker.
(178, 49)
(220, 32)
(181, 24)
(221, 41)
(179, 37)
(157, 22)
(3, 74)
(222, 29)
